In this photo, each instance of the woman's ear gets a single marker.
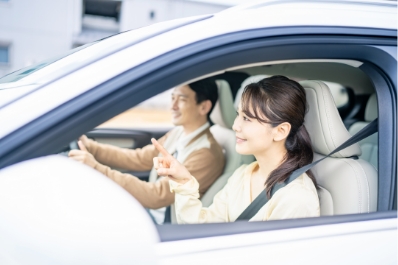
(205, 107)
(282, 131)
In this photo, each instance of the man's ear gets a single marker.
(282, 131)
(205, 107)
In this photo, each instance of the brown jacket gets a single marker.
(204, 160)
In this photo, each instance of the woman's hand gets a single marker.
(82, 155)
(169, 166)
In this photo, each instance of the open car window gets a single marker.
(154, 113)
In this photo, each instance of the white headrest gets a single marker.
(224, 112)
(323, 122)
(371, 111)
(249, 80)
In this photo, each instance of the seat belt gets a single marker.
(167, 213)
(262, 198)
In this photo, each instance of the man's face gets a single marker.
(184, 108)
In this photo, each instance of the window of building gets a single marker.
(103, 8)
(100, 20)
(4, 53)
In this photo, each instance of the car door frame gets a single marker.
(211, 55)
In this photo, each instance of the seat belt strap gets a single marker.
(262, 198)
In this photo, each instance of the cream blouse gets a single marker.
(296, 200)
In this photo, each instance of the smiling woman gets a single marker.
(278, 101)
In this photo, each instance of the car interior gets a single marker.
(341, 101)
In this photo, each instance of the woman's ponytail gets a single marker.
(299, 153)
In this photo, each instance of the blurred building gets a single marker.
(32, 31)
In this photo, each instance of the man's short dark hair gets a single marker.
(205, 89)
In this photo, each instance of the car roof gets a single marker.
(274, 13)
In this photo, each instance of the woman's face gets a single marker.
(252, 137)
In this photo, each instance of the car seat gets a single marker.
(368, 145)
(223, 117)
(349, 184)
(247, 81)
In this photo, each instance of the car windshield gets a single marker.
(28, 79)
(24, 72)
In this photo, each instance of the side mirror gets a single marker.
(56, 211)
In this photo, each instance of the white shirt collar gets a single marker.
(185, 139)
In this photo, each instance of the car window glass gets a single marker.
(339, 93)
(24, 72)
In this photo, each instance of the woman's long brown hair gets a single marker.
(280, 99)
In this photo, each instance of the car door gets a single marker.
(299, 241)
(56, 211)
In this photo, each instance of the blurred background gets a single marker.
(32, 31)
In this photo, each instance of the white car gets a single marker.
(56, 211)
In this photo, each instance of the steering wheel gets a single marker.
(72, 146)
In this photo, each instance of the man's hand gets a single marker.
(82, 155)
(169, 166)
(85, 142)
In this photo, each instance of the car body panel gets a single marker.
(345, 243)
(70, 216)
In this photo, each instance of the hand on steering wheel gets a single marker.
(82, 155)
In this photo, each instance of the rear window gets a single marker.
(339, 93)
